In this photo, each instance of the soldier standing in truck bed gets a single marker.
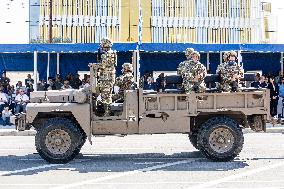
(188, 53)
(106, 74)
(193, 74)
(230, 73)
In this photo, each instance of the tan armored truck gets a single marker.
(213, 120)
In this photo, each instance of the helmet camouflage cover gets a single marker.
(106, 43)
(189, 51)
(127, 67)
(195, 53)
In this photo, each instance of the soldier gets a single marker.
(125, 81)
(193, 74)
(230, 73)
(188, 53)
(106, 73)
(105, 46)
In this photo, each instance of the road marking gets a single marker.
(114, 176)
(36, 168)
(236, 176)
(29, 169)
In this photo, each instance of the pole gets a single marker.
(50, 22)
(35, 71)
(281, 62)
(57, 64)
(208, 62)
(48, 63)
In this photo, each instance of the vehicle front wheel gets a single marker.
(220, 139)
(58, 140)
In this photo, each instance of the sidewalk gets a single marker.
(11, 131)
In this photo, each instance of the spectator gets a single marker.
(260, 83)
(3, 99)
(29, 81)
(85, 84)
(19, 85)
(274, 96)
(50, 85)
(58, 78)
(41, 85)
(6, 114)
(21, 101)
(150, 84)
(66, 85)
(4, 81)
(12, 94)
(278, 77)
(255, 84)
(76, 82)
(57, 83)
(69, 77)
(281, 97)
(161, 83)
(30, 89)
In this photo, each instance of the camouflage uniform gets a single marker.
(106, 73)
(188, 53)
(227, 71)
(125, 81)
(189, 71)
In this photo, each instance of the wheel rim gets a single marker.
(221, 140)
(58, 141)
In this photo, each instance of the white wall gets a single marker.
(278, 9)
(16, 13)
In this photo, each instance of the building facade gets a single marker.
(11, 22)
(164, 21)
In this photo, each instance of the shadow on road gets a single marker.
(87, 163)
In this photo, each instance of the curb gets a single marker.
(9, 132)
(268, 130)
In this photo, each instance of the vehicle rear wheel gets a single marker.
(220, 139)
(193, 139)
(59, 140)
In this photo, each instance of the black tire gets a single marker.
(72, 135)
(193, 139)
(221, 126)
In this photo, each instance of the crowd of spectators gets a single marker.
(14, 98)
(69, 82)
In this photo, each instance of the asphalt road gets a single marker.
(150, 161)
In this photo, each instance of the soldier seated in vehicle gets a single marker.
(193, 73)
(124, 82)
(230, 73)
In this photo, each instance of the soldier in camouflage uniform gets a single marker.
(230, 73)
(125, 81)
(188, 53)
(193, 74)
(106, 73)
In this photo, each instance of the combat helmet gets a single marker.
(106, 43)
(196, 53)
(232, 53)
(188, 52)
(127, 66)
(225, 56)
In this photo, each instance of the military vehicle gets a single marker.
(64, 120)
